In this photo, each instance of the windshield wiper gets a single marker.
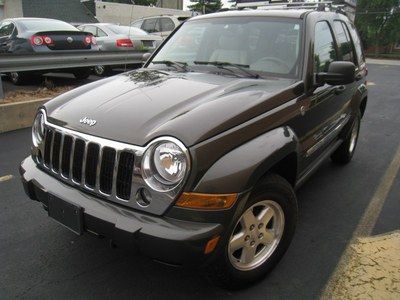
(223, 65)
(170, 63)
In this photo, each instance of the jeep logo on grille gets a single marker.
(87, 121)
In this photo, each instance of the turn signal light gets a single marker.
(206, 201)
(211, 245)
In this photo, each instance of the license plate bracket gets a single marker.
(66, 213)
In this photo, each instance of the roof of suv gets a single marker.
(283, 13)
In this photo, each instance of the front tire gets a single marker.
(345, 152)
(260, 235)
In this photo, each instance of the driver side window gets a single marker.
(324, 47)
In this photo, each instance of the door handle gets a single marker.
(340, 89)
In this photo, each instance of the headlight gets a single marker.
(165, 164)
(38, 129)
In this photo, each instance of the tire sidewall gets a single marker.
(284, 196)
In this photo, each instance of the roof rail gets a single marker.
(319, 5)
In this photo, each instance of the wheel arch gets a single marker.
(363, 105)
(241, 169)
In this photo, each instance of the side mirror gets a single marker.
(339, 73)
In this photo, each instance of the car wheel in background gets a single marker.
(82, 74)
(19, 78)
(260, 235)
(101, 70)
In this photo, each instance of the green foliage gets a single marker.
(205, 6)
(378, 22)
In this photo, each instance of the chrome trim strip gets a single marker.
(327, 138)
(98, 170)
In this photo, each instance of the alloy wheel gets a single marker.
(256, 235)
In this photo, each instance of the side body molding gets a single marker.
(240, 169)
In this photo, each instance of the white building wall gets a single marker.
(124, 14)
(13, 9)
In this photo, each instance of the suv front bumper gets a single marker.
(165, 239)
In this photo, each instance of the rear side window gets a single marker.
(101, 33)
(91, 29)
(149, 25)
(137, 24)
(167, 24)
(357, 43)
(6, 29)
(324, 47)
(344, 41)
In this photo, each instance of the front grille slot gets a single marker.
(47, 148)
(55, 160)
(66, 156)
(124, 176)
(92, 165)
(92, 158)
(107, 170)
(77, 164)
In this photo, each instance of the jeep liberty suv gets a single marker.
(194, 159)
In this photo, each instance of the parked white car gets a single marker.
(159, 25)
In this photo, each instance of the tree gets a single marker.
(378, 22)
(205, 6)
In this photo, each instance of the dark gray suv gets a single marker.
(194, 159)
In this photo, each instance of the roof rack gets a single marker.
(319, 5)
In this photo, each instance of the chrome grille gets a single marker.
(92, 165)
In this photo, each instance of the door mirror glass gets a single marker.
(339, 73)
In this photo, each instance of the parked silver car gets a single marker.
(111, 37)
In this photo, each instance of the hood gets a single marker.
(139, 106)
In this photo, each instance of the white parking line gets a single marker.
(6, 177)
(366, 223)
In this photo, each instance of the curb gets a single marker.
(19, 115)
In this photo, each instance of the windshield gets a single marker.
(47, 25)
(266, 46)
(126, 30)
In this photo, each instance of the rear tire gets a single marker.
(273, 205)
(82, 74)
(20, 78)
(345, 152)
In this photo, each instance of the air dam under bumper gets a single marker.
(165, 239)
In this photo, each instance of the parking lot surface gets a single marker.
(41, 259)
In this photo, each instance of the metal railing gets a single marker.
(76, 59)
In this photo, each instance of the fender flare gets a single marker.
(240, 169)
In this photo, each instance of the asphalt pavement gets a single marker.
(41, 259)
